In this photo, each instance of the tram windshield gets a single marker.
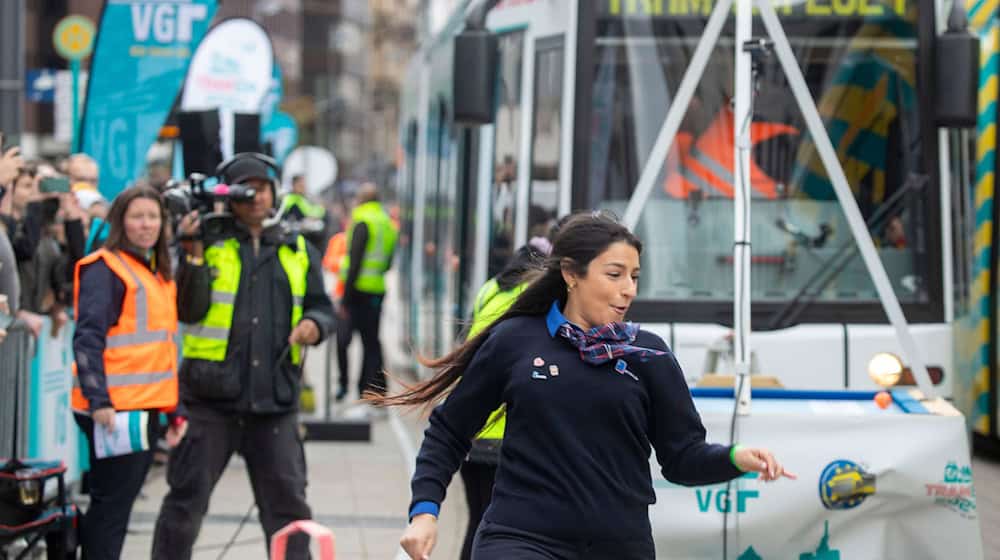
(860, 62)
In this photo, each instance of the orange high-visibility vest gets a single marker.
(140, 359)
(707, 164)
(336, 248)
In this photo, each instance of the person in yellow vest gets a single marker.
(494, 298)
(251, 298)
(125, 369)
(298, 208)
(371, 243)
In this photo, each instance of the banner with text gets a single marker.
(871, 484)
(140, 60)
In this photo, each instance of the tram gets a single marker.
(582, 90)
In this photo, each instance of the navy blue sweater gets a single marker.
(575, 458)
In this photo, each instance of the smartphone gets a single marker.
(54, 185)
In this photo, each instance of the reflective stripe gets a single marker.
(713, 165)
(141, 309)
(127, 379)
(223, 297)
(140, 337)
(297, 301)
(214, 333)
(142, 334)
(693, 177)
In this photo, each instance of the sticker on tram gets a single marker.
(955, 490)
(806, 8)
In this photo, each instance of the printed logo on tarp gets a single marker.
(716, 498)
(844, 484)
(823, 550)
(955, 491)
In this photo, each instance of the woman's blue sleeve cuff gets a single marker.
(425, 507)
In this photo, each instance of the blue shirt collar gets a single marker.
(555, 319)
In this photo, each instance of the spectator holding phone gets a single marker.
(10, 288)
(45, 274)
(20, 225)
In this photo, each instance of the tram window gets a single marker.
(861, 70)
(546, 134)
(507, 147)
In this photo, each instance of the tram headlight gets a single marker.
(885, 369)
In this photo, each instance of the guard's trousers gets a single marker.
(275, 461)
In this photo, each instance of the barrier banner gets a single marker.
(52, 433)
(872, 484)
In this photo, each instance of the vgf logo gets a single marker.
(721, 500)
(167, 22)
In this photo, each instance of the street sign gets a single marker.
(73, 37)
(74, 41)
(40, 87)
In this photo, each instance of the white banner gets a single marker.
(872, 484)
(231, 69)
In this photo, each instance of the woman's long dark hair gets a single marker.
(116, 220)
(526, 261)
(581, 238)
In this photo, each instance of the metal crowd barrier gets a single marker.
(16, 353)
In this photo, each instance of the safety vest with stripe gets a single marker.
(706, 164)
(307, 208)
(140, 356)
(490, 304)
(382, 236)
(209, 339)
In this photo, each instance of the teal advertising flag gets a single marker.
(141, 57)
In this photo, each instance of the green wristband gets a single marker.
(732, 455)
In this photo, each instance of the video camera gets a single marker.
(212, 201)
(182, 197)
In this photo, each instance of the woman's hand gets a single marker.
(419, 538)
(105, 417)
(70, 207)
(175, 433)
(760, 461)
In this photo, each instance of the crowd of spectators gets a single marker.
(51, 215)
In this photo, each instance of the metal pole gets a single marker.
(675, 114)
(857, 224)
(742, 90)
(74, 66)
(11, 69)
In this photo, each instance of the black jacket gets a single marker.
(251, 379)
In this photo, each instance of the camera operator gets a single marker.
(251, 296)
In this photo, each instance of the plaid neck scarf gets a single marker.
(601, 345)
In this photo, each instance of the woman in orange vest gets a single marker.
(125, 369)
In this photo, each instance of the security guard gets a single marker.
(371, 242)
(296, 207)
(251, 299)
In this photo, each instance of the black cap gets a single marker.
(244, 169)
